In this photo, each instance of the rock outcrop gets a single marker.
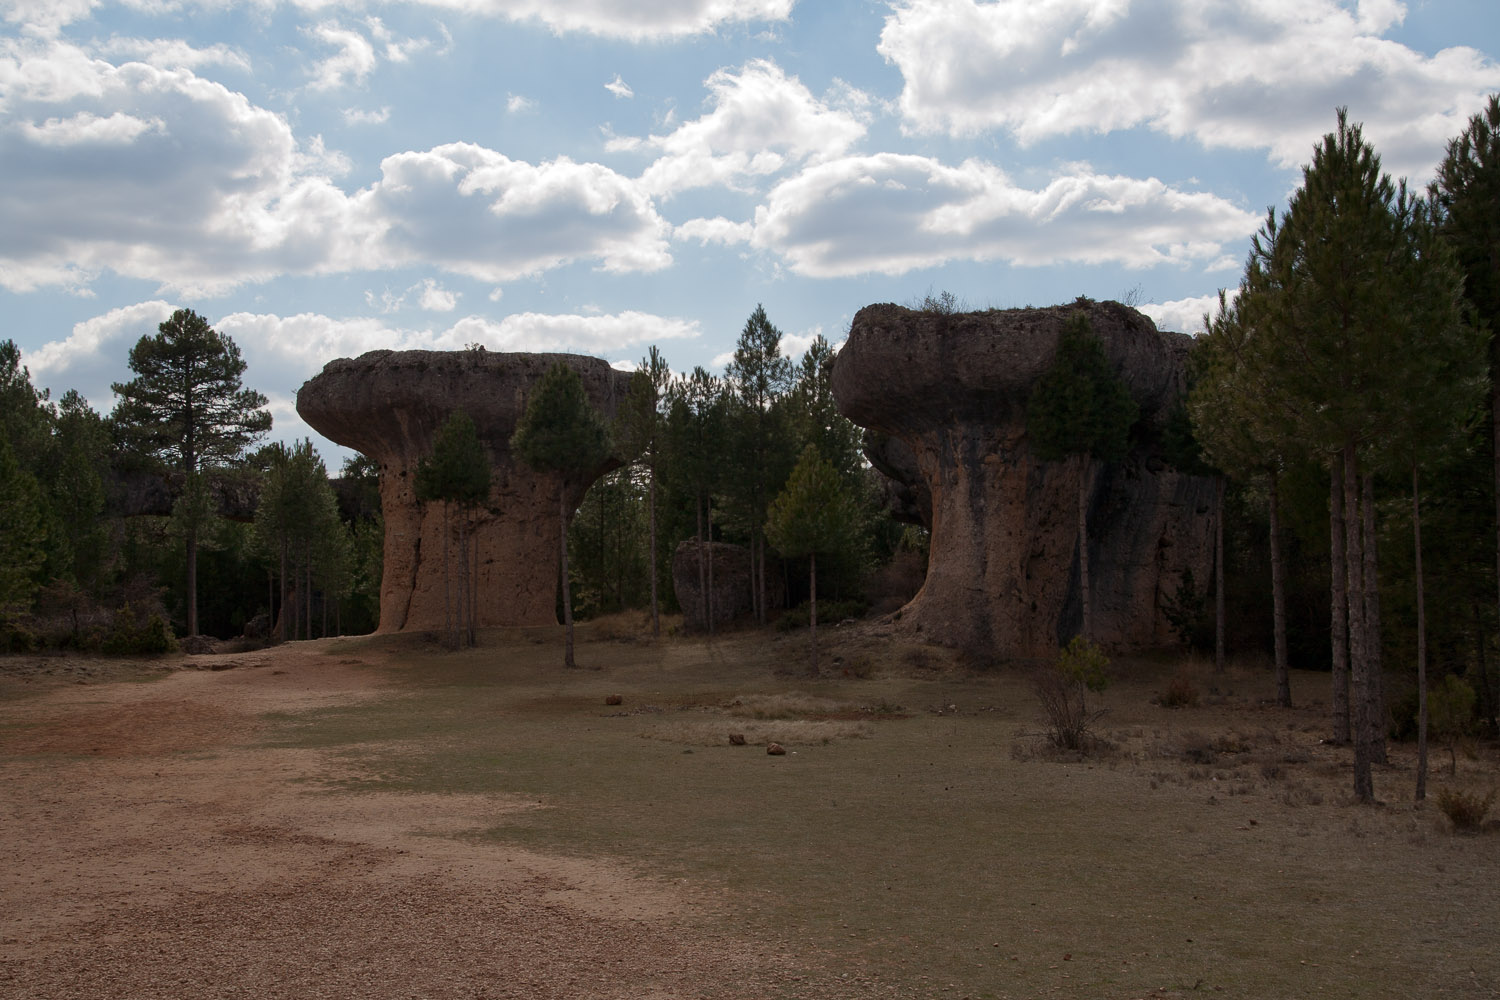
(390, 405)
(945, 395)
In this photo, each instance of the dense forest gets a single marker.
(1342, 397)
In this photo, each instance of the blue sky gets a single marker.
(320, 178)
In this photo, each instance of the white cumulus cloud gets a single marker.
(202, 191)
(1244, 74)
(761, 122)
(892, 213)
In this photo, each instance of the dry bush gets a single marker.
(1465, 810)
(1180, 693)
(1063, 688)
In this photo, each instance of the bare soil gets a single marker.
(356, 818)
(153, 849)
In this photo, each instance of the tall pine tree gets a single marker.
(1080, 412)
(561, 433)
(187, 408)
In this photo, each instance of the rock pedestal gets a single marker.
(389, 405)
(945, 395)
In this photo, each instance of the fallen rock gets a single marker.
(736, 739)
(389, 405)
(614, 699)
(945, 395)
(775, 749)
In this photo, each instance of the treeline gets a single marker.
(1346, 394)
(254, 540)
(700, 456)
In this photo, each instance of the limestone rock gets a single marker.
(945, 395)
(390, 405)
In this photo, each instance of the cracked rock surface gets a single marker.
(944, 396)
(389, 405)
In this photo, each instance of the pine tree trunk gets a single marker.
(1219, 622)
(1359, 663)
(1083, 545)
(1488, 709)
(281, 620)
(1338, 601)
(1416, 532)
(709, 597)
(655, 607)
(192, 578)
(567, 590)
(1374, 693)
(307, 584)
(1278, 597)
(812, 617)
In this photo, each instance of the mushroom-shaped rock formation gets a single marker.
(944, 396)
(390, 405)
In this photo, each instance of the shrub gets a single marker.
(829, 613)
(129, 635)
(1063, 687)
(1450, 713)
(16, 638)
(1180, 693)
(1465, 810)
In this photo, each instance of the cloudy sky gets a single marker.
(320, 178)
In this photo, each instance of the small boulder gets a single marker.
(736, 739)
(775, 749)
(614, 699)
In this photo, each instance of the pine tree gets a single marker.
(561, 433)
(1442, 385)
(1328, 324)
(457, 473)
(1080, 411)
(21, 535)
(761, 377)
(186, 406)
(1235, 405)
(639, 431)
(1467, 188)
(815, 514)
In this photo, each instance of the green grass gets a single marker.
(929, 849)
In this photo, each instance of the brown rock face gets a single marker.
(946, 397)
(390, 405)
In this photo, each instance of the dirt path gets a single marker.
(154, 849)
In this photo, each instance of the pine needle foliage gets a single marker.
(561, 433)
(1080, 406)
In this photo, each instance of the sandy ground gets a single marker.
(154, 849)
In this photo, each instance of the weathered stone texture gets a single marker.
(390, 405)
(945, 395)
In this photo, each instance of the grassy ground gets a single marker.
(919, 837)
